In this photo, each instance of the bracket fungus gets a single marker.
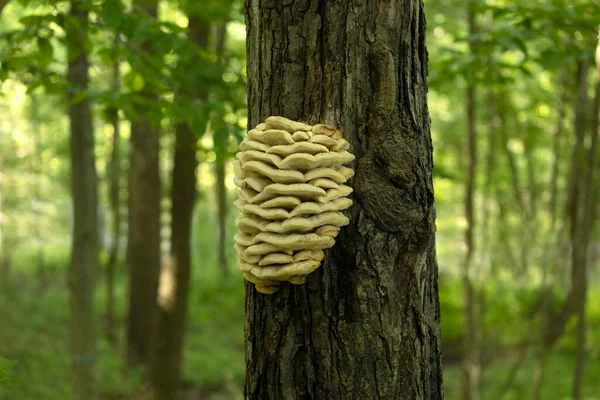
(291, 195)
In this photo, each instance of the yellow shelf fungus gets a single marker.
(291, 196)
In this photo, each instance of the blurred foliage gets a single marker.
(5, 367)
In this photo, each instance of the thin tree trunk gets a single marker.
(39, 172)
(585, 224)
(6, 259)
(222, 215)
(580, 215)
(581, 339)
(575, 192)
(501, 196)
(84, 191)
(549, 263)
(485, 226)
(144, 226)
(528, 220)
(165, 358)
(366, 324)
(114, 172)
(4, 246)
(471, 356)
(538, 380)
(488, 186)
(220, 164)
(36, 171)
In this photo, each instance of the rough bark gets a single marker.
(114, 173)
(144, 225)
(84, 191)
(164, 364)
(366, 324)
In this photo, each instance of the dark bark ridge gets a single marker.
(366, 325)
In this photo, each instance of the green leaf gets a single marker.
(45, 51)
(134, 81)
(112, 11)
(5, 367)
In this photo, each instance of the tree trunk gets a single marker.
(165, 358)
(221, 142)
(471, 358)
(114, 172)
(575, 211)
(585, 222)
(37, 171)
(366, 324)
(144, 226)
(550, 253)
(84, 191)
(222, 214)
(6, 261)
(4, 246)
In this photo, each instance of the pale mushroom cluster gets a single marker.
(291, 194)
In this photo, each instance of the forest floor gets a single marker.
(34, 332)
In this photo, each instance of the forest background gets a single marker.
(514, 97)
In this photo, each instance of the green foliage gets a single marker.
(558, 379)
(159, 59)
(513, 38)
(5, 367)
(216, 11)
(214, 345)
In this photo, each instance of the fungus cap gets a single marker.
(292, 193)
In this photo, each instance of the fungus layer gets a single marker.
(291, 197)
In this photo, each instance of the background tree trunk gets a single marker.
(585, 222)
(575, 209)
(221, 142)
(471, 357)
(165, 358)
(144, 226)
(4, 245)
(550, 252)
(221, 192)
(37, 172)
(84, 191)
(366, 324)
(114, 189)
